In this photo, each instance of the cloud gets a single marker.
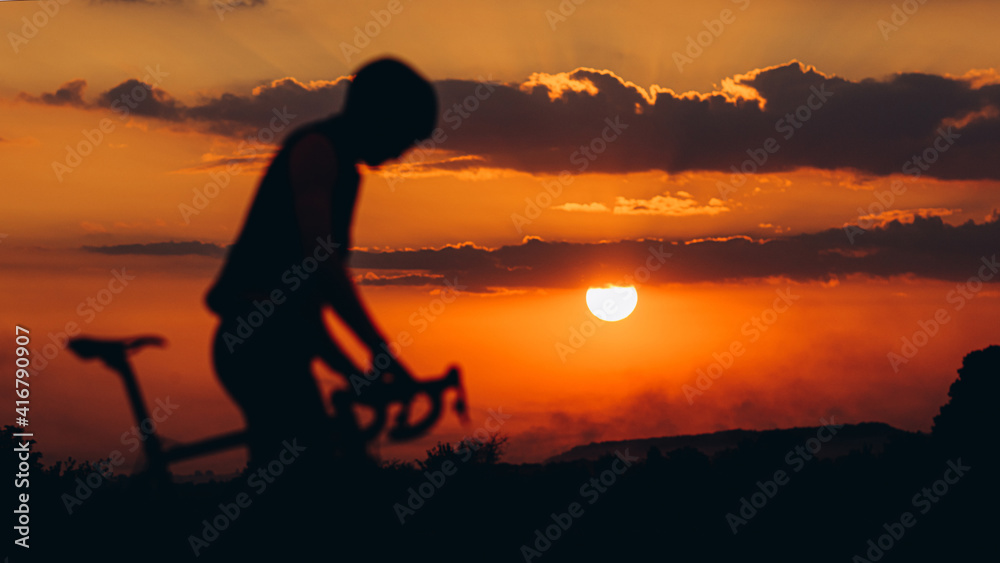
(584, 207)
(272, 105)
(131, 97)
(926, 247)
(246, 3)
(69, 94)
(371, 278)
(668, 205)
(212, 162)
(236, 115)
(874, 126)
(145, 2)
(138, 98)
(591, 120)
(195, 248)
(224, 5)
(907, 215)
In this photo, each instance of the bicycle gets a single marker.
(391, 389)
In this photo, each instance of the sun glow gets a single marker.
(612, 303)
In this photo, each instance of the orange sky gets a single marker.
(826, 355)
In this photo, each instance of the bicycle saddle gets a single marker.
(112, 350)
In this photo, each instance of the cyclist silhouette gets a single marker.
(290, 260)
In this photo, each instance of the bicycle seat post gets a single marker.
(151, 445)
(114, 354)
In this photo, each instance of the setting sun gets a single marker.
(612, 303)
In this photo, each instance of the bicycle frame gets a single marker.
(114, 354)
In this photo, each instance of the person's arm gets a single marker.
(313, 169)
(335, 357)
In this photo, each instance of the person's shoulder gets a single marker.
(312, 131)
(314, 134)
(313, 148)
(312, 157)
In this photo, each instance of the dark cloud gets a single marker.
(273, 105)
(401, 279)
(542, 125)
(926, 248)
(131, 97)
(253, 160)
(236, 115)
(874, 126)
(217, 4)
(244, 3)
(138, 98)
(146, 2)
(69, 94)
(162, 249)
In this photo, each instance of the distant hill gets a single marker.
(850, 437)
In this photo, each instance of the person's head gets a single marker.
(389, 108)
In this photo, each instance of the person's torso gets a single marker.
(270, 248)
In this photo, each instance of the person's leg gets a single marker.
(234, 367)
(269, 377)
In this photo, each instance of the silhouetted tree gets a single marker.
(967, 421)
